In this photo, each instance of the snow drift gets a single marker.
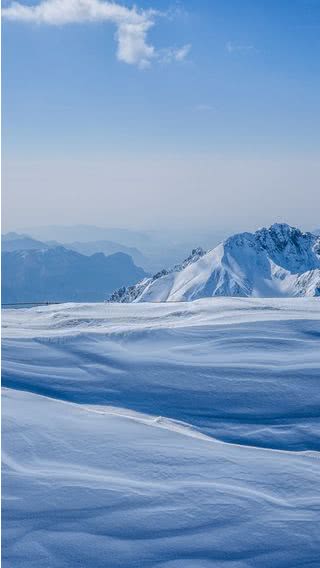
(242, 370)
(87, 487)
(162, 435)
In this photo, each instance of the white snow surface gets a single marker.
(162, 435)
(280, 261)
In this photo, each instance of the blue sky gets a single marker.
(230, 80)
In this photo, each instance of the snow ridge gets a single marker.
(128, 294)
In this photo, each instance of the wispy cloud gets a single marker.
(204, 108)
(174, 53)
(132, 24)
(181, 53)
(234, 47)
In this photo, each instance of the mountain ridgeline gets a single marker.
(57, 274)
(278, 261)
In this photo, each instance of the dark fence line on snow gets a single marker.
(29, 304)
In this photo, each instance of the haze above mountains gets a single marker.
(151, 249)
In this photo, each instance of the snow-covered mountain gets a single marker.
(277, 261)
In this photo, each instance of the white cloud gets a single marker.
(132, 24)
(132, 44)
(233, 47)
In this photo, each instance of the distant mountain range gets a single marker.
(278, 261)
(11, 242)
(16, 241)
(56, 274)
(151, 249)
(107, 248)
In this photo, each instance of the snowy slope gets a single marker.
(96, 489)
(175, 435)
(275, 262)
(242, 370)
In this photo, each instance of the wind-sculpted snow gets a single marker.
(162, 435)
(241, 370)
(90, 487)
